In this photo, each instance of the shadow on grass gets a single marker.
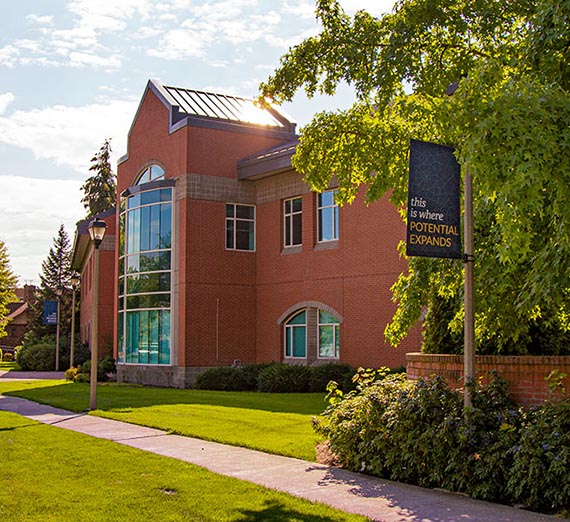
(276, 512)
(112, 396)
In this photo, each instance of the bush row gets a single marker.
(417, 432)
(39, 354)
(275, 377)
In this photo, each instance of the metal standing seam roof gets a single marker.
(222, 107)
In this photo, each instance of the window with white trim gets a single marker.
(327, 216)
(293, 221)
(296, 336)
(329, 336)
(240, 227)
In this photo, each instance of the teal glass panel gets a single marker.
(326, 318)
(148, 301)
(164, 337)
(122, 218)
(165, 240)
(230, 210)
(156, 172)
(121, 339)
(149, 262)
(149, 197)
(134, 201)
(326, 224)
(300, 318)
(153, 327)
(299, 341)
(326, 199)
(326, 341)
(166, 194)
(288, 342)
(154, 227)
(132, 337)
(143, 337)
(151, 282)
(337, 340)
(121, 285)
(144, 230)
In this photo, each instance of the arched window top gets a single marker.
(298, 318)
(150, 173)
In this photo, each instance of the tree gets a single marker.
(55, 275)
(100, 189)
(508, 121)
(8, 283)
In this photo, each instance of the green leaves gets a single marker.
(509, 121)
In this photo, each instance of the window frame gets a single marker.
(288, 326)
(234, 219)
(336, 335)
(335, 221)
(289, 217)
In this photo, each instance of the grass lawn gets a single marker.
(271, 422)
(51, 473)
(9, 366)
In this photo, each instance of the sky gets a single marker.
(72, 73)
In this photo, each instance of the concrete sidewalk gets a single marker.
(378, 499)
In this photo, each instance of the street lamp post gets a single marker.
(58, 293)
(75, 280)
(97, 229)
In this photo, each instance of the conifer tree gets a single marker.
(99, 189)
(7, 286)
(56, 274)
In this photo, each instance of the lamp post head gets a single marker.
(97, 229)
(75, 279)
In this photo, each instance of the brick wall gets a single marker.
(525, 374)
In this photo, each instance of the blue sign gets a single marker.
(433, 202)
(50, 312)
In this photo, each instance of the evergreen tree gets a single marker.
(8, 283)
(56, 274)
(99, 189)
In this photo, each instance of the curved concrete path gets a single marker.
(378, 499)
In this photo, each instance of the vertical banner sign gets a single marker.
(433, 202)
(50, 312)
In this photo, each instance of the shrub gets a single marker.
(82, 373)
(418, 432)
(8, 357)
(229, 378)
(285, 378)
(321, 376)
(37, 357)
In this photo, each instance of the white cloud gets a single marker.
(40, 20)
(9, 56)
(5, 99)
(79, 59)
(70, 135)
(181, 43)
(32, 211)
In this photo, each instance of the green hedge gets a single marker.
(416, 432)
(275, 377)
(39, 354)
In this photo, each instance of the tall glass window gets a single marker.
(145, 267)
(240, 227)
(329, 336)
(327, 211)
(296, 335)
(293, 221)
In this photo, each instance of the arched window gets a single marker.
(296, 335)
(150, 173)
(329, 336)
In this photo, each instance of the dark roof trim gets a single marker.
(267, 162)
(151, 185)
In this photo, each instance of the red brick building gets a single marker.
(224, 255)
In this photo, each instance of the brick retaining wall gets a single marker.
(525, 374)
